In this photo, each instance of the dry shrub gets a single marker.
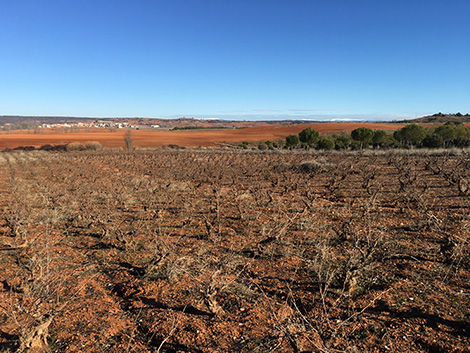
(74, 146)
(282, 167)
(314, 166)
(170, 268)
(93, 146)
(36, 339)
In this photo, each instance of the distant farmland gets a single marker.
(189, 138)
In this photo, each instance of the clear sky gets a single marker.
(242, 59)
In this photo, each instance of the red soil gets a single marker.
(189, 138)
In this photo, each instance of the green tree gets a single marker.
(281, 143)
(447, 132)
(380, 138)
(433, 141)
(270, 144)
(342, 141)
(326, 143)
(292, 141)
(362, 134)
(462, 141)
(411, 134)
(462, 130)
(309, 136)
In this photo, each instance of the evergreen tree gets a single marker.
(292, 141)
(411, 134)
(363, 134)
(309, 136)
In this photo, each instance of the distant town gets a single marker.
(39, 123)
(94, 124)
(9, 123)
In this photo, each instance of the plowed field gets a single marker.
(234, 251)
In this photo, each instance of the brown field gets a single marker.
(189, 138)
(213, 251)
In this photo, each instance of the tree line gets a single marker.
(410, 136)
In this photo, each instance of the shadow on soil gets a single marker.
(459, 328)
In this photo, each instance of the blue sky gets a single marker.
(235, 59)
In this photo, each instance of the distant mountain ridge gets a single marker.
(440, 118)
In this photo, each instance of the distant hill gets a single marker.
(30, 122)
(16, 119)
(440, 118)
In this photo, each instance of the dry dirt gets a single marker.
(189, 138)
(211, 251)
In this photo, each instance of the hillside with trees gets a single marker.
(440, 118)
